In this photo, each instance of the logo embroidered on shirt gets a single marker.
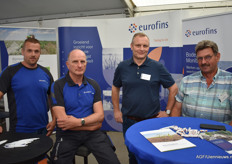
(87, 92)
(43, 81)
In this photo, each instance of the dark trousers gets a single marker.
(126, 124)
(68, 142)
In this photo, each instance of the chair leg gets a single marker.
(85, 160)
(74, 161)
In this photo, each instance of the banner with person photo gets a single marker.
(12, 38)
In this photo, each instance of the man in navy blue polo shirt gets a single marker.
(27, 85)
(140, 78)
(77, 105)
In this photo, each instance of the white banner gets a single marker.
(216, 28)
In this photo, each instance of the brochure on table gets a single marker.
(166, 140)
(222, 139)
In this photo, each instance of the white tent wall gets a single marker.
(53, 23)
(186, 14)
(191, 13)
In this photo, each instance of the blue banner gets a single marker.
(87, 39)
(4, 55)
(189, 59)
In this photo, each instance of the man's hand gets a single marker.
(118, 116)
(162, 114)
(69, 122)
(50, 127)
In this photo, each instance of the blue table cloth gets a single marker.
(205, 152)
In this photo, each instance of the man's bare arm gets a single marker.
(171, 97)
(115, 101)
(51, 125)
(176, 110)
(1, 95)
(92, 122)
(230, 123)
(171, 100)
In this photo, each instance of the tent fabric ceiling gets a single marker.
(16, 9)
(13, 11)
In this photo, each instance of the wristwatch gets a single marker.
(168, 111)
(82, 121)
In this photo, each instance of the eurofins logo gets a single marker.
(207, 31)
(188, 33)
(146, 27)
(133, 28)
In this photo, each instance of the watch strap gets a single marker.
(168, 111)
(82, 121)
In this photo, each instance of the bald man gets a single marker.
(77, 105)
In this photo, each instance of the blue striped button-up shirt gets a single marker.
(213, 102)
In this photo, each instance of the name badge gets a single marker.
(145, 77)
(223, 97)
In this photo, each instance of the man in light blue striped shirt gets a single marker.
(206, 93)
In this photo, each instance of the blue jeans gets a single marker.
(126, 124)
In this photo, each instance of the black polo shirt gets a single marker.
(141, 86)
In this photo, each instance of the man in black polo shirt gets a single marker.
(140, 78)
(77, 105)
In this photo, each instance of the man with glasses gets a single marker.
(208, 92)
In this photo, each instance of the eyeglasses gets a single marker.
(206, 58)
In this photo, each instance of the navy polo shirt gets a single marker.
(77, 100)
(141, 86)
(27, 93)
